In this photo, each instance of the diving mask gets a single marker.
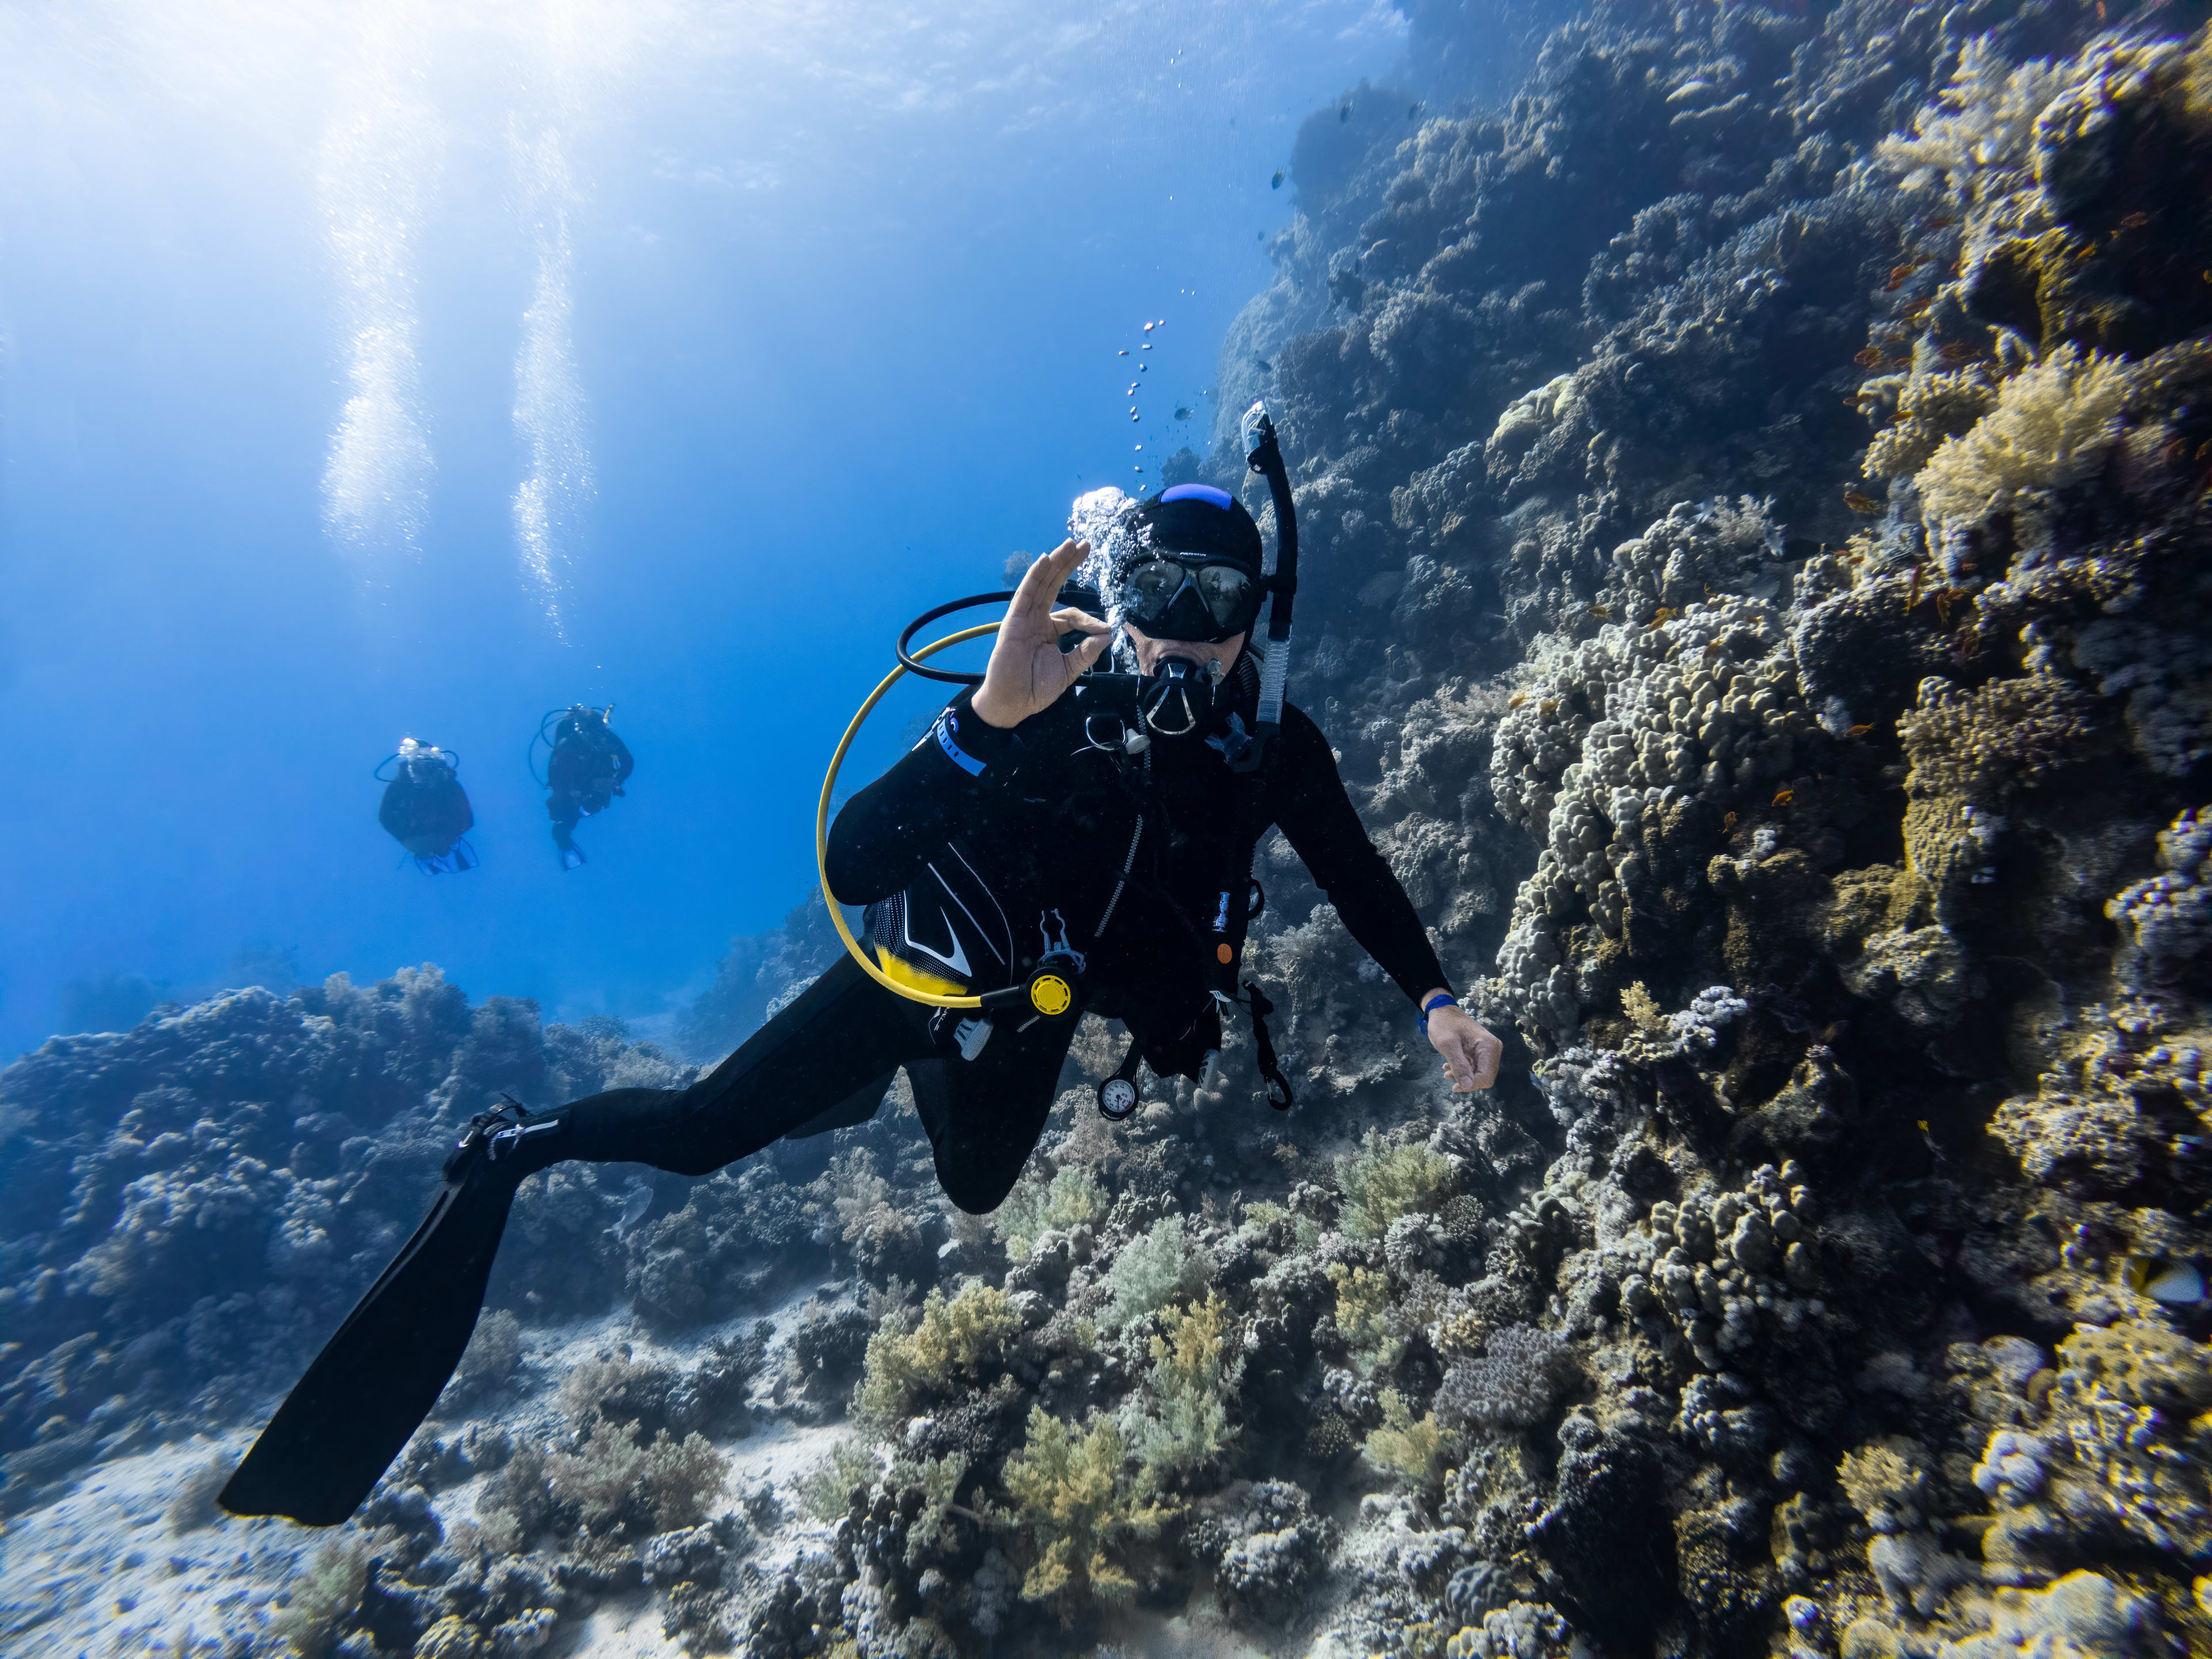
(1191, 596)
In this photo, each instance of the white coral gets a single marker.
(1987, 119)
(2050, 428)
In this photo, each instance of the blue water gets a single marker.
(780, 323)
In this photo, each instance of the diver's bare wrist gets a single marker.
(988, 710)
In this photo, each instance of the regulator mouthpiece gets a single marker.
(1175, 700)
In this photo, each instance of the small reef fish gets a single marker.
(1861, 503)
(632, 1211)
(2178, 1284)
(1181, 412)
(1275, 183)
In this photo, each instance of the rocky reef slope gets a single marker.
(1755, 485)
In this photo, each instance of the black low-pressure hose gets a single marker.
(948, 676)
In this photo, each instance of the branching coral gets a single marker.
(1180, 1422)
(1985, 119)
(324, 1597)
(616, 1484)
(884, 1236)
(951, 1340)
(1413, 1449)
(1072, 1198)
(1972, 745)
(1151, 1271)
(1079, 1510)
(1364, 1314)
(2052, 425)
(1382, 1182)
(1933, 408)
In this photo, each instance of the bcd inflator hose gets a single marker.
(1049, 992)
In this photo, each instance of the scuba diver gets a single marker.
(425, 808)
(1061, 841)
(585, 767)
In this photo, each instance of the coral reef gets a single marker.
(1753, 483)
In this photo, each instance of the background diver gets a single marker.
(425, 808)
(586, 767)
(1020, 830)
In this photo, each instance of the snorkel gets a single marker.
(1264, 455)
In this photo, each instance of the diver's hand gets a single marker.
(1470, 1053)
(1028, 670)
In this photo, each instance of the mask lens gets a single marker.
(1226, 589)
(1151, 584)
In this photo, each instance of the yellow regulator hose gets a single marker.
(913, 994)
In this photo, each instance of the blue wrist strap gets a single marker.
(1442, 999)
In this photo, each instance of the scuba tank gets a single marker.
(585, 767)
(424, 807)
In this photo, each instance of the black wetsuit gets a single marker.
(583, 772)
(977, 852)
(425, 809)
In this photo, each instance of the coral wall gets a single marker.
(1755, 483)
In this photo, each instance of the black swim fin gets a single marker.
(378, 1377)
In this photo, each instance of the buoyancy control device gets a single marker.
(587, 765)
(1172, 702)
(424, 807)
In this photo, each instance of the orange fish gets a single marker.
(2134, 221)
(1783, 797)
(1728, 823)
(1859, 503)
(1858, 731)
(1871, 357)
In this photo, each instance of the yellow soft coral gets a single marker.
(1183, 1420)
(2052, 424)
(1362, 1314)
(1079, 1510)
(1381, 1182)
(953, 1340)
(1413, 1449)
